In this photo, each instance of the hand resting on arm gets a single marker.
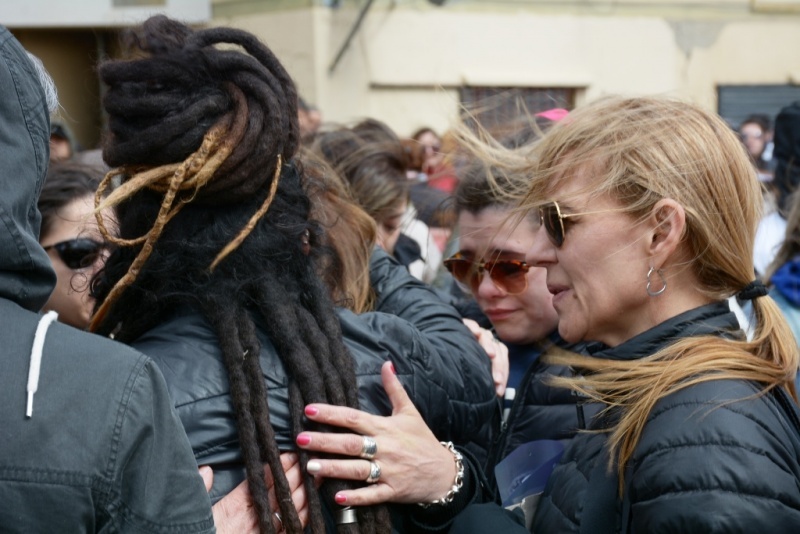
(497, 352)
(414, 467)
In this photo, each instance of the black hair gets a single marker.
(422, 131)
(482, 186)
(759, 119)
(220, 126)
(64, 183)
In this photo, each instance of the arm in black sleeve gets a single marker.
(440, 518)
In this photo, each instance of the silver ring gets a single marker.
(278, 517)
(346, 516)
(368, 448)
(374, 472)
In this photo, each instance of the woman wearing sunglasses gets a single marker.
(490, 265)
(648, 209)
(71, 238)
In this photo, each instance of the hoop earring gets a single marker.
(660, 274)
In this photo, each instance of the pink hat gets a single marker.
(555, 114)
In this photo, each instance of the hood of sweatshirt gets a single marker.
(26, 276)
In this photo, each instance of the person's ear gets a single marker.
(668, 222)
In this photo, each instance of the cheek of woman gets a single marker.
(70, 298)
(539, 318)
(603, 281)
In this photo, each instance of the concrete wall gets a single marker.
(409, 57)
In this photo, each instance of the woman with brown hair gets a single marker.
(347, 230)
(373, 165)
(372, 161)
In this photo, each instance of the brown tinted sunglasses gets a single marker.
(506, 275)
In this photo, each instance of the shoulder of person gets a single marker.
(717, 445)
(706, 425)
(711, 401)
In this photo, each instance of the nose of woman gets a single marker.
(542, 251)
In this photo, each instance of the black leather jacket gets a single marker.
(438, 360)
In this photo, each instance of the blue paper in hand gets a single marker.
(525, 471)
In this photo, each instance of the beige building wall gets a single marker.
(409, 58)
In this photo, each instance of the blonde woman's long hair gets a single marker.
(643, 150)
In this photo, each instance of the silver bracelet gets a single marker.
(458, 483)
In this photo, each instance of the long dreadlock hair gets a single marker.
(202, 140)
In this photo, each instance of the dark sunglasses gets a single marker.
(552, 219)
(77, 253)
(506, 275)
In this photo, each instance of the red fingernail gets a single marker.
(340, 498)
(311, 410)
(394, 371)
(303, 439)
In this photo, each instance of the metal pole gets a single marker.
(353, 30)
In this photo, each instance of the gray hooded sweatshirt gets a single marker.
(89, 441)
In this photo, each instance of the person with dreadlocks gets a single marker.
(214, 276)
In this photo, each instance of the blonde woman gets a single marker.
(648, 209)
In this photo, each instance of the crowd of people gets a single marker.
(247, 320)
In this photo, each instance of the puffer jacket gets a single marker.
(541, 411)
(90, 442)
(438, 360)
(713, 458)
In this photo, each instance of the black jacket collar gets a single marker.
(711, 319)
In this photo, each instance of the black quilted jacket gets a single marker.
(539, 411)
(714, 457)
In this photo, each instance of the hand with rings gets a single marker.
(369, 448)
(497, 352)
(398, 456)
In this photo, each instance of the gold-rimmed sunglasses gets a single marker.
(552, 219)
